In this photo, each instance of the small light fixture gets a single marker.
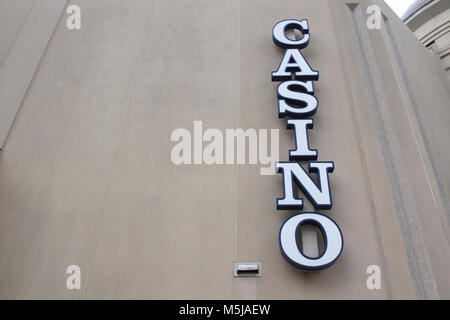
(247, 269)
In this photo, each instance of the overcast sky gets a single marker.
(399, 6)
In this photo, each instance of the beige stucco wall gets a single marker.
(85, 170)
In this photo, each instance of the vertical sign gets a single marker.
(296, 101)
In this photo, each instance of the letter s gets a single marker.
(296, 99)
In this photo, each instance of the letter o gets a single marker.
(332, 235)
(279, 34)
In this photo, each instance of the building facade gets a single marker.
(87, 118)
(430, 22)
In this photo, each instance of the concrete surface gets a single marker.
(86, 176)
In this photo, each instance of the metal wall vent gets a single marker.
(247, 269)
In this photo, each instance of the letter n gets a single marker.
(319, 195)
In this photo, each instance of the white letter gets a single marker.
(74, 280)
(374, 280)
(299, 65)
(241, 137)
(198, 142)
(279, 34)
(302, 151)
(320, 196)
(374, 21)
(216, 147)
(74, 20)
(264, 157)
(300, 96)
(183, 147)
(330, 232)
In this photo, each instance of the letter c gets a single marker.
(279, 34)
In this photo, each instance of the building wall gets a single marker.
(431, 24)
(85, 170)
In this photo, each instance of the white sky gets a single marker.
(399, 6)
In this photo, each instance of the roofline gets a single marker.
(415, 8)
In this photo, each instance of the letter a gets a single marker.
(294, 63)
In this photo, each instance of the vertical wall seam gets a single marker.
(403, 196)
(415, 106)
(237, 126)
(387, 276)
(18, 33)
(9, 68)
(124, 118)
